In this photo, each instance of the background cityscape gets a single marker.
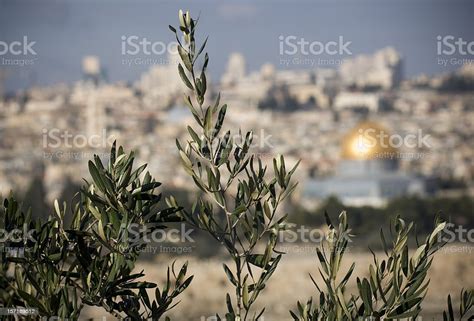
(313, 80)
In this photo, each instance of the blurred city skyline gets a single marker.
(252, 28)
(302, 76)
(368, 105)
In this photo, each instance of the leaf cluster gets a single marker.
(241, 196)
(92, 261)
(395, 287)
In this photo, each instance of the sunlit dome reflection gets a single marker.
(368, 140)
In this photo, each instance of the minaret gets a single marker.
(94, 113)
(91, 69)
(95, 118)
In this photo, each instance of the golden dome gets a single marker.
(368, 140)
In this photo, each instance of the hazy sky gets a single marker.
(65, 31)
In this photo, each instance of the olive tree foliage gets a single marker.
(395, 287)
(91, 261)
(239, 203)
(57, 268)
(35, 265)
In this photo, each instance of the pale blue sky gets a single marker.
(65, 31)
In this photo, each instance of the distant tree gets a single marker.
(70, 194)
(457, 83)
(35, 198)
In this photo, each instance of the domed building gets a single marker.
(368, 173)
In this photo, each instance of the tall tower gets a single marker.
(94, 113)
(236, 69)
(91, 69)
(92, 73)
